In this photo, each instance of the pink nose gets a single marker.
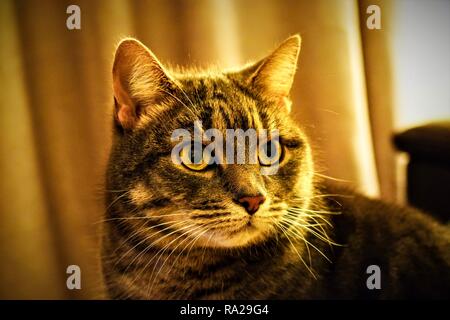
(251, 204)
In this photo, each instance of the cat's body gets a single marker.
(411, 250)
(225, 231)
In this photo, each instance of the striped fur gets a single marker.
(172, 233)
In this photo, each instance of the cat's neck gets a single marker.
(220, 274)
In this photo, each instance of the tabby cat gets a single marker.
(183, 231)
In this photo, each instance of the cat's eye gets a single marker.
(193, 158)
(270, 153)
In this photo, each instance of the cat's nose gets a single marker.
(252, 203)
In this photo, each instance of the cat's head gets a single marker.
(218, 205)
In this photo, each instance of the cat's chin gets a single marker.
(245, 236)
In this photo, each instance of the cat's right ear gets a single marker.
(139, 81)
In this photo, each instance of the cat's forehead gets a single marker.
(223, 103)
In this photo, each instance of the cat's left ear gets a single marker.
(139, 81)
(273, 76)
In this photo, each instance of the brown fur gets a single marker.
(175, 233)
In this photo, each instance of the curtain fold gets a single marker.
(377, 52)
(57, 106)
(30, 261)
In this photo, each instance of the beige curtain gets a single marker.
(56, 110)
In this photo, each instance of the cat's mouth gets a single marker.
(247, 231)
(249, 225)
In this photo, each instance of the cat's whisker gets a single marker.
(206, 245)
(303, 210)
(322, 218)
(321, 237)
(115, 200)
(300, 199)
(141, 217)
(306, 241)
(179, 100)
(322, 229)
(331, 195)
(184, 93)
(308, 215)
(162, 249)
(294, 220)
(282, 228)
(329, 177)
(185, 235)
(191, 244)
(300, 208)
(298, 224)
(170, 224)
(321, 234)
(120, 219)
(137, 232)
(149, 217)
(157, 254)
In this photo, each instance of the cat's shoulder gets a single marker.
(379, 225)
(407, 244)
(358, 208)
